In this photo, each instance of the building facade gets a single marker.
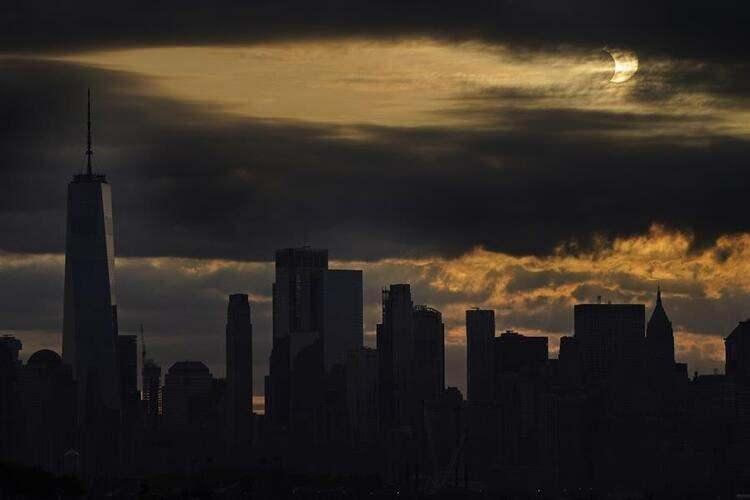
(343, 322)
(429, 354)
(480, 332)
(187, 394)
(90, 310)
(395, 345)
(239, 359)
(298, 308)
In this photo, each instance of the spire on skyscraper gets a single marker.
(90, 311)
(143, 348)
(89, 153)
(659, 334)
(659, 313)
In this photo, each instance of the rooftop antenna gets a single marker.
(143, 348)
(88, 123)
(658, 293)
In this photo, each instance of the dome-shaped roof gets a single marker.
(45, 357)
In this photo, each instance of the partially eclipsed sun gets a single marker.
(626, 65)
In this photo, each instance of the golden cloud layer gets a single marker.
(424, 82)
(534, 295)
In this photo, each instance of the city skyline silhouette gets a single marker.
(481, 250)
(529, 423)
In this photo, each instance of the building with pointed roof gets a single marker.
(90, 311)
(660, 337)
(737, 346)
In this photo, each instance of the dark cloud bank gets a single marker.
(689, 27)
(191, 182)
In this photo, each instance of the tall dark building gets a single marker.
(11, 346)
(127, 364)
(151, 391)
(342, 334)
(48, 396)
(90, 313)
(298, 308)
(343, 322)
(429, 354)
(569, 362)
(660, 338)
(515, 352)
(239, 354)
(150, 387)
(187, 394)
(395, 345)
(525, 411)
(480, 332)
(362, 394)
(307, 385)
(11, 417)
(610, 337)
(737, 346)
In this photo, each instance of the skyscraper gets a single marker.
(297, 309)
(239, 354)
(429, 354)
(342, 334)
(127, 364)
(480, 330)
(362, 394)
(90, 313)
(610, 337)
(395, 343)
(48, 397)
(737, 345)
(660, 339)
(151, 391)
(187, 391)
(11, 417)
(342, 325)
(150, 387)
(515, 352)
(519, 363)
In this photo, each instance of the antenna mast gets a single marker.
(143, 348)
(89, 153)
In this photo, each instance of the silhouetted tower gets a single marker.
(480, 332)
(737, 345)
(298, 310)
(127, 364)
(395, 343)
(610, 338)
(187, 392)
(342, 319)
(11, 416)
(362, 394)
(143, 348)
(239, 354)
(429, 354)
(90, 313)
(150, 390)
(660, 337)
(48, 396)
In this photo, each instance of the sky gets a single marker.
(519, 156)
